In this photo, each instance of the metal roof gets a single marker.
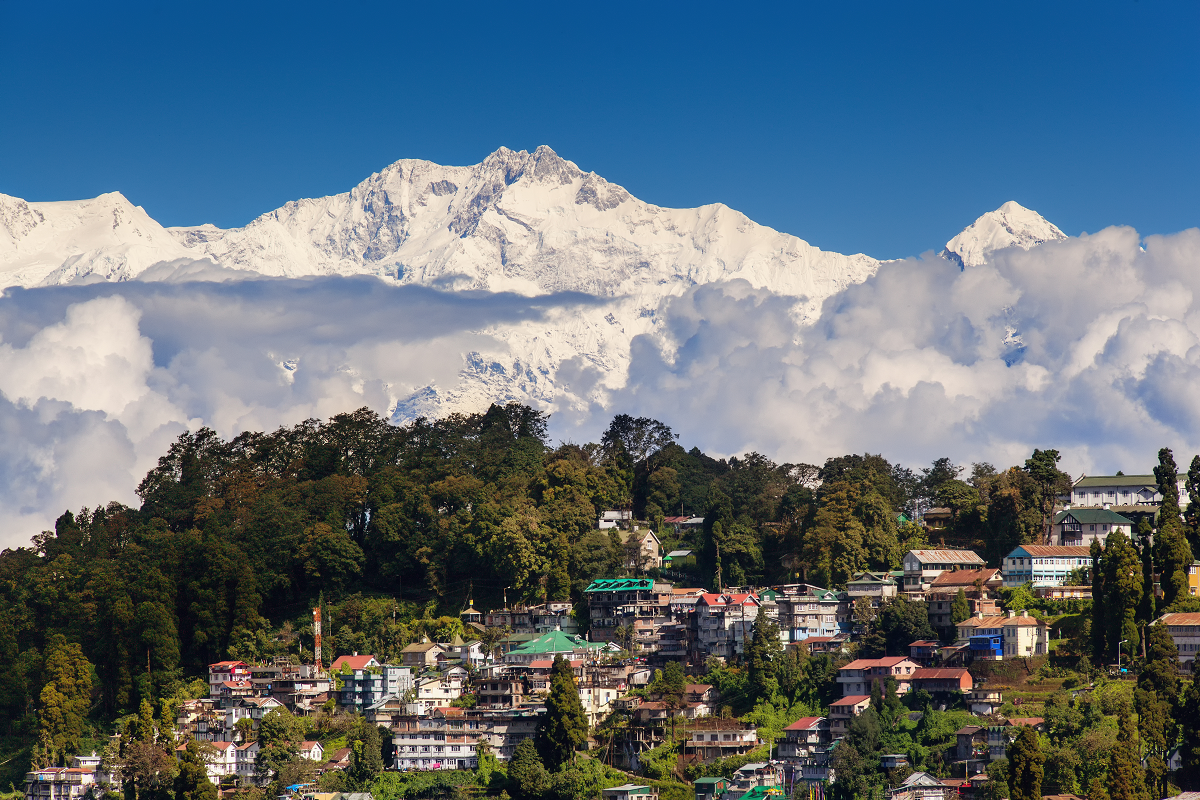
(948, 556)
(620, 585)
(1091, 515)
(1052, 550)
(1117, 480)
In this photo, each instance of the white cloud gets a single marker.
(1090, 345)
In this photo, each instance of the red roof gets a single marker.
(816, 640)
(852, 700)
(804, 724)
(964, 577)
(354, 662)
(673, 520)
(867, 663)
(944, 673)
(548, 664)
(228, 664)
(714, 599)
(698, 688)
(1032, 722)
(1181, 618)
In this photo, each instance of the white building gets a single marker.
(1043, 565)
(1185, 631)
(1121, 491)
(921, 567)
(1079, 527)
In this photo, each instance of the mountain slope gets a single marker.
(527, 223)
(1011, 225)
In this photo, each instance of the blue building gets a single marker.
(1043, 565)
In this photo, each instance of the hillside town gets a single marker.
(484, 690)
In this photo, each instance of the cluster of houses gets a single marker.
(444, 699)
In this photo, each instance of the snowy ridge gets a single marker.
(1011, 225)
(527, 223)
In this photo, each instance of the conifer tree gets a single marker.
(1191, 517)
(564, 729)
(1099, 619)
(1123, 588)
(764, 648)
(960, 610)
(192, 782)
(1171, 549)
(1126, 779)
(1025, 763)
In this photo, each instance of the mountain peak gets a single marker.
(1010, 225)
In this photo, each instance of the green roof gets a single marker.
(710, 780)
(1092, 516)
(620, 585)
(1118, 480)
(556, 642)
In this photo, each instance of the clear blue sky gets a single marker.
(881, 128)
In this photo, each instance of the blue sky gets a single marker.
(880, 128)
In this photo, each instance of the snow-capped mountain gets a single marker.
(1010, 225)
(528, 223)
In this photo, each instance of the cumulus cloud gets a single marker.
(1090, 345)
(97, 380)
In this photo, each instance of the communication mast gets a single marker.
(317, 637)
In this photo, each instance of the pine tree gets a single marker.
(1096, 790)
(564, 729)
(1191, 517)
(1171, 548)
(1123, 589)
(192, 782)
(1126, 779)
(1099, 619)
(1025, 763)
(760, 657)
(63, 702)
(527, 772)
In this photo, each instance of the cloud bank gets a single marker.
(1090, 345)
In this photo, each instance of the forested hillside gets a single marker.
(396, 527)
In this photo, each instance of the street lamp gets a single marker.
(1123, 641)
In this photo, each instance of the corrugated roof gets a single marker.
(938, 674)
(998, 621)
(1052, 550)
(1092, 516)
(620, 585)
(1117, 480)
(1188, 618)
(963, 577)
(867, 663)
(851, 700)
(948, 556)
(804, 724)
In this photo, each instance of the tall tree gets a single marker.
(1172, 552)
(1123, 588)
(192, 782)
(1192, 516)
(63, 702)
(1025, 762)
(1099, 619)
(564, 728)
(761, 657)
(960, 609)
(1042, 466)
(1126, 779)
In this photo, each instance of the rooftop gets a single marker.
(1091, 516)
(1117, 480)
(620, 585)
(851, 700)
(1051, 550)
(964, 577)
(947, 556)
(1189, 618)
(943, 673)
(804, 724)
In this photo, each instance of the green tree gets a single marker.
(63, 702)
(761, 656)
(1025, 762)
(279, 735)
(564, 728)
(1123, 588)
(1172, 553)
(366, 759)
(960, 610)
(1042, 466)
(526, 772)
(1126, 779)
(192, 782)
(1191, 517)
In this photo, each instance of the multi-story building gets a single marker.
(859, 676)
(1185, 632)
(712, 738)
(1079, 527)
(549, 645)
(363, 688)
(841, 712)
(980, 586)
(724, 623)
(82, 779)
(447, 738)
(803, 750)
(617, 603)
(944, 680)
(805, 611)
(1131, 496)
(226, 671)
(1008, 636)
(1044, 565)
(877, 586)
(922, 567)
